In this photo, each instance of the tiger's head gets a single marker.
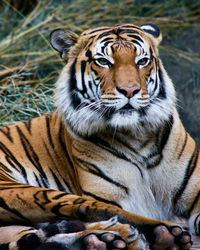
(113, 78)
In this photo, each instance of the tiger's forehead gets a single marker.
(120, 36)
(125, 31)
(117, 29)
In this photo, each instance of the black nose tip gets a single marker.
(129, 91)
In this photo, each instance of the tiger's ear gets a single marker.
(62, 41)
(153, 31)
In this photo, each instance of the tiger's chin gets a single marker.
(129, 121)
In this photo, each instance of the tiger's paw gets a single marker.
(169, 237)
(87, 241)
(104, 241)
(115, 235)
(103, 235)
(77, 241)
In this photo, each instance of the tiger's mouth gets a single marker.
(126, 110)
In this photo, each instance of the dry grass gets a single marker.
(29, 66)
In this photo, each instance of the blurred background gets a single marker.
(29, 66)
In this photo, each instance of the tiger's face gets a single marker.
(113, 78)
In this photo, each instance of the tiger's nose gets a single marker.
(129, 91)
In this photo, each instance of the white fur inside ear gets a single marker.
(151, 29)
(62, 40)
(147, 27)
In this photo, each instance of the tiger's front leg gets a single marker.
(102, 235)
(26, 204)
(73, 235)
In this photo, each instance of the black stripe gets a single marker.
(39, 184)
(165, 133)
(91, 88)
(105, 145)
(79, 200)
(107, 39)
(59, 214)
(145, 143)
(124, 143)
(63, 146)
(57, 197)
(89, 44)
(160, 143)
(62, 143)
(2, 187)
(5, 168)
(102, 51)
(155, 83)
(136, 42)
(49, 131)
(75, 100)
(111, 32)
(106, 44)
(91, 38)
(28, 126)
(151, 54)
(188, 173)
(131, 26)
(123, 29)
(32, 156)
(45, 181)
(101, 199)
(136, 38)
(162, 92)
(6, 133)
(52, 159)
(95, 72)
(195, 201)
(143, 111)
(83, 66)
(89, 167)
(11, 164)
(14, 184)
(156, 80)
(88, 54)
(57, 181)
(41, 198)
(184, 144)
(113, 50)
(10, 157)
(12, 210)
(129, 31)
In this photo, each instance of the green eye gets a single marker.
(103, 62)
(142, 61)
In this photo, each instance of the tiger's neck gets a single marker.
(167, 141)
(120, 155)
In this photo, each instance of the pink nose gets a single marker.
(129, 91)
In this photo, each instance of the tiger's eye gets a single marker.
(142, 61)
(104, 62)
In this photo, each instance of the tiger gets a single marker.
(112, 166)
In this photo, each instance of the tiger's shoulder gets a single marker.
(36, 127)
